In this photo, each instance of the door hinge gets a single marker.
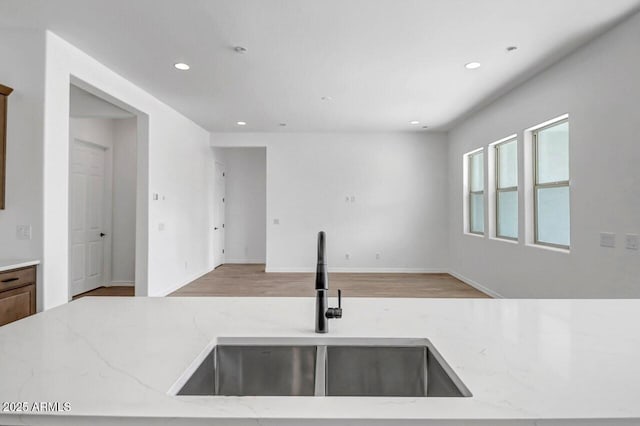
(223, 199)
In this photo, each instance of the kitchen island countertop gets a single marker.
(527, 362)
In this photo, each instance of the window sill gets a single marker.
(471, 234)
(555, 249)
(505, 240)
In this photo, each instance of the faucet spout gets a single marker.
(323, 311)
(322, 275)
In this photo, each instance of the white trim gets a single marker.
(475, 151)
(473, 234)
(121, 283)
(508, 138)
(341, 270)
(547, 123)
(550, 248)
(505, 240)
(476, 285)
(166, 291)
(247, 261)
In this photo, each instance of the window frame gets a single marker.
(506, 189)
(471, 193)
(556, 184)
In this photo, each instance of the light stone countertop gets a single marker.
(9, 264)
(527, 362)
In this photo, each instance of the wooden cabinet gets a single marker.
(17, 294)
(4, 93)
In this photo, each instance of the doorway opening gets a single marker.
(102, 196)
(239, 206)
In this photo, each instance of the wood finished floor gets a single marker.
(108, 291)
(236, 280)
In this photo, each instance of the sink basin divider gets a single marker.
(425, 371)
(321, 370)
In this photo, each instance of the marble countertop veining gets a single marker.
(537, 362)
(8, 264)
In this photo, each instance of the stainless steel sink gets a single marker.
(322, 367)
(255, 371)
(388, 371)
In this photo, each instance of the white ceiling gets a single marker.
(83, 104)
(384, 62)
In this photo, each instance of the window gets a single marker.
(551, 185)
(506, 156)
(476, 192)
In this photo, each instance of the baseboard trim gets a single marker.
(365, 270)
(476, 285)
(244, 261)
(173, 288)
(121, 284)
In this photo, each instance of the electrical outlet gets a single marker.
(607, 239)
(377, 256)
(347, 256)
(23, 232)
(161, 226)
(632, 241)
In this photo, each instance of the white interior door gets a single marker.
(219, 215)
(86, 217)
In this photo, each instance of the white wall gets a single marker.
(124, 201)
(173, 161)
(22, 68)
(599, 87)
(246, 205)
(398, 181)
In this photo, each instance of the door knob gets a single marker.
(102, 234)
(215, 228)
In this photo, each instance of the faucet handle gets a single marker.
(336, 312)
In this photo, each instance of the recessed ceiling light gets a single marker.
(472, 65)
(240, 49)
(241, 123)
(414, 122)
(181, 66)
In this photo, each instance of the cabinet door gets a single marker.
(17, 303)
(4, 92)
(3, 147)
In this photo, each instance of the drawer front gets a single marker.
(17, 277)
(17, 303)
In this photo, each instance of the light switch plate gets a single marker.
(276, 221)
(607, 239)
(23, 232)
(632, 241)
